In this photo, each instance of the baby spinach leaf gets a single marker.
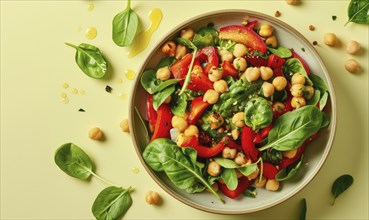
(250, 192)
(112, 203)
(161, 96)
(229, 177)
(282, 52)
(178, 104)
(125, 26)
(153, 85)
(206, 36)
(318, 83)
(303, 209)
(358, 12)
(287, 174)
(272, 156)
(226, 163)
(340, 185)
(293, 128)
(166, 61)
(325, 120)
(258, 113)
(246, 169)
(294, 65)
(323, 100)
(144, 125)
(90, 60)
(73, 161)
(315, 99)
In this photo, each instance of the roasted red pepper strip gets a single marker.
(275, 61)
(198, 106)
(303, 62)
(208, 55)
(243, 184)
(179, 69)
(202, 151)
(248, 145)
(231, 144)
(269, 170)
(228, 69)
(262, 134)
(163, 122)
(199, 80)
(151, 113)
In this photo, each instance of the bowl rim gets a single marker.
(250, 13)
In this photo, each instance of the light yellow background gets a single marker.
(34, 120)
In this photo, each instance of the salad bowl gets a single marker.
(314, 156)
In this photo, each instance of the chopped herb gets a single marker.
(334, 17)
(108, 88)
(81, 110)
(303, 49)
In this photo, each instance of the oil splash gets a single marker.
(90, 7)
(143, 38)
(91, 33)
(130, 74)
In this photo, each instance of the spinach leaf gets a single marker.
(90, 60)
(166, 61)
(287, 173)
(293, 128)
(73, 161)
(303, 209)
(323, 100)
(315, 99)
(144, 124)
(229, 177)
(206, 36)
(282, 52)
(250, 192)
(153, 85)
(258, 113)
(112, 203)
(161, 96)
(272, 156)
(178, 104)
(358, 12)
(246, 169)
(226, 163)
(340, 185)
(325, 120)
(186, 42)
(294, 65)
(279, 95)
(318, 83)
(125, 26)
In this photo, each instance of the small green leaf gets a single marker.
(153, 85)
(303, 209)
(358, 12)
(178, 104)
(125, 26)
(286, 174)
(160, 97)
(282, 52)
(340, 185)
(229, 177)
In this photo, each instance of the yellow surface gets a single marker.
(35, 119)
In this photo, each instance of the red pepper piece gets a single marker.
(275, 61)
(151, 113)
(257, 61)
(163, 122)
(209, 56)
(269, 170)
(198, 106)
(248, 145)
(231, 144)
(278, 72)
(179, 69)
(262, 134)
(243, 184)
(202, 151)
(303, 62)
(251, 24)
(228, 69)
(199, 80)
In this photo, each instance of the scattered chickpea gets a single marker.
(238, 119)
(290, 153)
(352, 66)
(179, 123)
(279, 107)
(311, 27)
(253, 175)
(163, 73)
(95, 134)
(272, 185)
(297, 90)
(239, 50)
(292, 2)
(252, 74)
(169, 48)
(179, 140)
(191, 130)
(297, 102)
(229, 153)
(211, 96)
(152, 197)
(277, 13)
(266, 30)
(181, 51)
(240, 64)
(241, 159)
(235, 134)
(220, 86)
(298, 78)
(214, 168)
(268, 89)
(124, 125)
(216, 120)
(279, 83)
(225, 55)
(266, 72)
(352, 47)
(271, 41)
(330, 39)
(187, 33)
(309, 92)
(215, 74)
(260, 184)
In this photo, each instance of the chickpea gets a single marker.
(271, 41)
(279, 107)
(95, 134)
(216, 120)
(279, 83)
(298, 78)
(241, 159)
(297, 102)
(215, 74)
(253, 175)
(187, 33)
(240, 64)
(252, 74)
(309, 90)
(297, 90)
(292, 2)
(152, 197)
(330, 39)
(239, 50)
(124, 125)
(163, 73)
(235, 134)
(229, 153)
(225, 55)
(214, 168)
(266, 30)
(169, 48)
(260, 183)
(290, 153)
(272, 185)
(268, 89)
(179, 123)
(191, 131)
(220, 86)
(181, 51)
(352, 66)
(180, 139)
(266, 72)
(211, 96)
(352, 47)
(238, 119)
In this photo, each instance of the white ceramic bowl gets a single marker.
(315, 154)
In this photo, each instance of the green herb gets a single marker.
(302, 49)
(108, 89)
(90, 60)
(229, 177)
(358, 12)
(334, 17)
(153, 85)
(206, 36)
(160, 97)
(81, 110)
(340, 185)
(166, 61)
(179, 104)
(303, 209)
(282, 52)
(258, 113)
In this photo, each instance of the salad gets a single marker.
(229, 110)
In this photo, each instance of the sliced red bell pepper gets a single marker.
(251, 24)
(151, 113)
(179, 68)
(248, 145)
(275, 61)
(303, 62)
(278, 72)
(198, 106)
(243, 184)
(231, 144)
(262, 134)
(228, 69)
(269, 170)
(199, 80)
(163, 122)
(202, 151)
(209, 56)
(256, 61)
(287, 106)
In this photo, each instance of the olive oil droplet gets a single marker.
(90, 6)
(74, 91)
(65, 85)
(91, 33)
(82, 92)
(130, 74)
(123, 96)
(135, 170)
(65, 100)
(63, 95)
(142, 39)
(119, 80)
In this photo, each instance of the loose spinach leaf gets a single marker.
(284, 174)
(294, 65)
(112, 203)
(340, 185)
(161, 96)
(258, 113)
(166, 61)
(206, 36)
(229, 177)
(282, 52)
(125, 26)
(358, 12)
(293, 128)
(153, 85)
(73, 161)
(303, 209)
(178, 104)
(90, 60)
